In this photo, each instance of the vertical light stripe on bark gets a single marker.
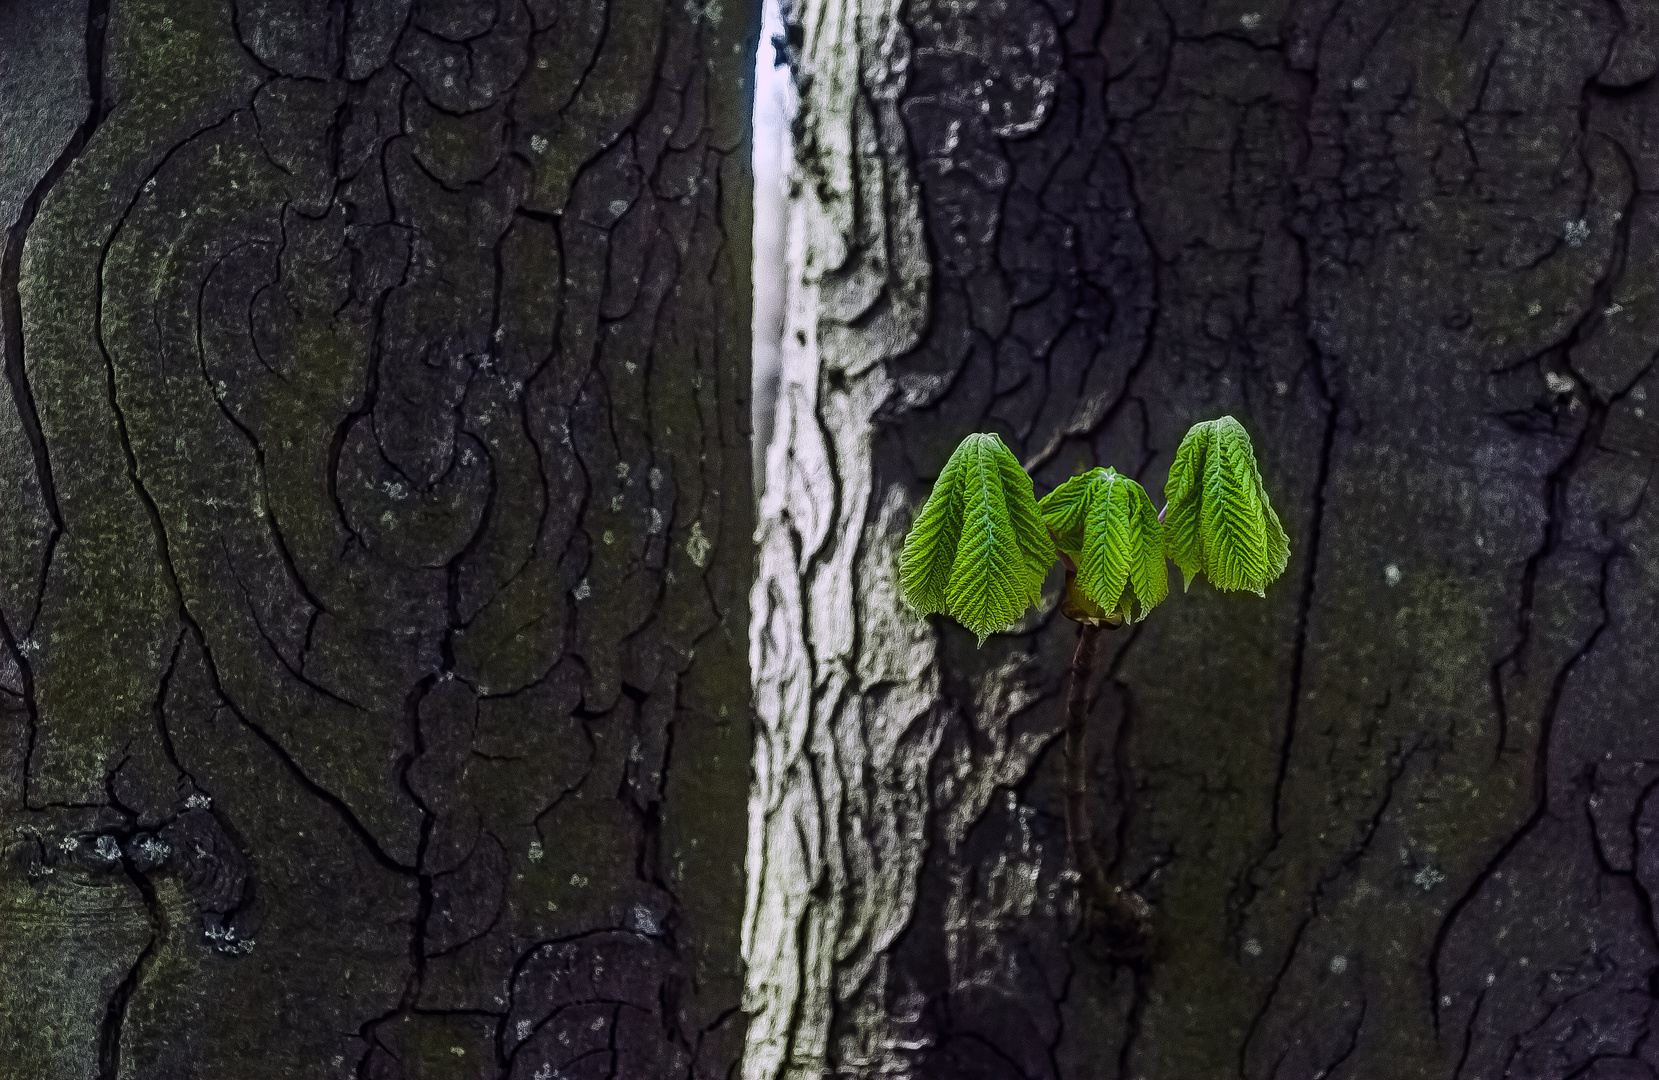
(839, 807)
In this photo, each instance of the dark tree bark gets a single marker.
(1398, 818)
(375, 526)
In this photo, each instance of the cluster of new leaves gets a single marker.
(1106, 525)
(979, 551)
(1218, 520)
(982, 545)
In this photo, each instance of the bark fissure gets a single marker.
(11, 310)
(115, 1015)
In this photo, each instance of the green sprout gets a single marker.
(983, 544)
(979, 551)
(1218, 520)
(1110, 534)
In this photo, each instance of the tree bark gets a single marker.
(1395, 820)
(375, 533)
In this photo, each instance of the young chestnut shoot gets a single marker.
(983, 544)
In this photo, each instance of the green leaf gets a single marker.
(1035, 541)
(979, 549)
(1219, 519)
(929, 550)
(1122, 566)
(1183, 493)
(996, 574)
(1065, 508)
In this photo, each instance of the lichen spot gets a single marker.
(698, 546)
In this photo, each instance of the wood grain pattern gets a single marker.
(377, 526)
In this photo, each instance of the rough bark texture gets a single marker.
(375, 526)
(1400, 819)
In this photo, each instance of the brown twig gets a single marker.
(1118, 912)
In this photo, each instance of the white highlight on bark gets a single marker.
(840, 791)
(848, 696)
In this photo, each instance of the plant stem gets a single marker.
(1121, 914)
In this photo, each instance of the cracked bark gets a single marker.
(1396, 820)
(375, 532)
